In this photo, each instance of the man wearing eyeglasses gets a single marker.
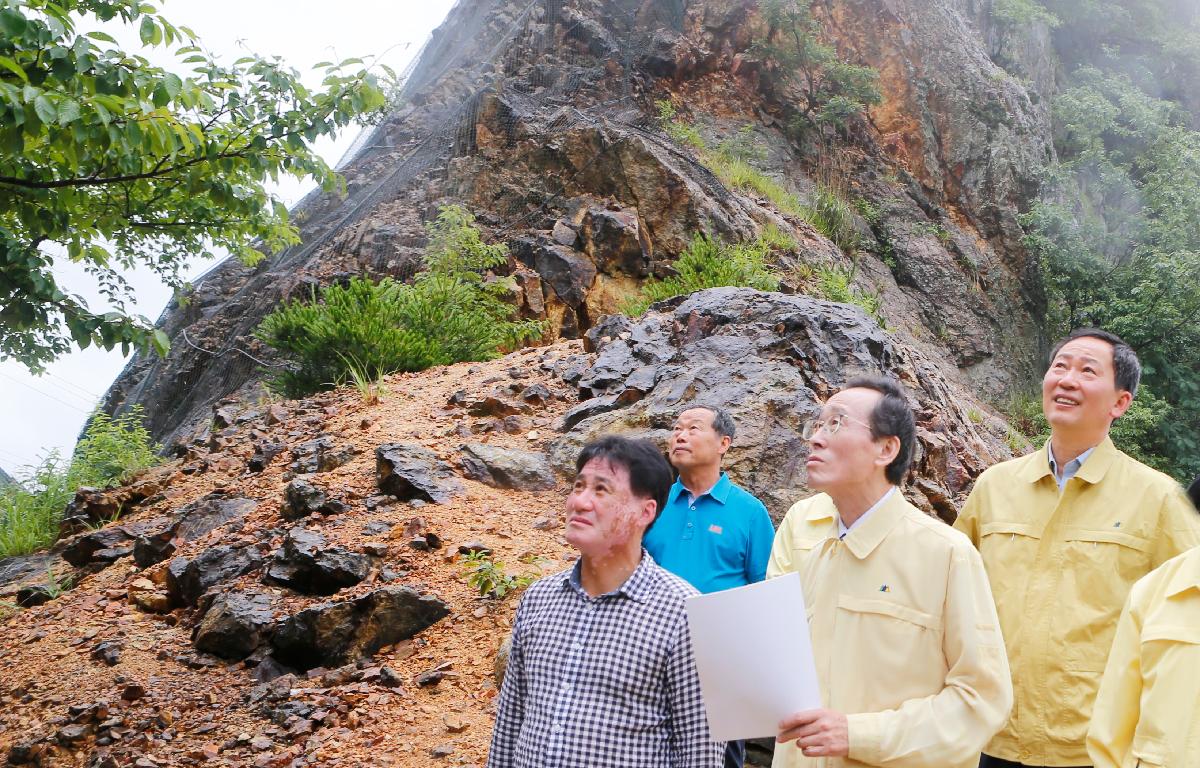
(1065, 532)
(910, 661)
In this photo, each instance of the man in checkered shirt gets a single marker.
(601, 671)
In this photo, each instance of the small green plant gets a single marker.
(450, 313)
(1017, 443)
(975, 416)
(709, 263)
(369, 385)
(8, 609)
(776, 239)
(489, 578)
(835, 284)
(932, 229)
(833, 217)
(56, 585)
(871, 213)
(680, 131)
(112, 450)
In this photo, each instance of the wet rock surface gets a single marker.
(409, 471)
(770, 360)
(307, 564)
(336, 633)
(234, 625)
(188, 579)
(507, 467)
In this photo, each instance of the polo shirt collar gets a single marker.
(719, 492)
(637, 587)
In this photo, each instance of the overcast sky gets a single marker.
(42, 413)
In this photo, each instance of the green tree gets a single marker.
(112, 162)
(828, 90)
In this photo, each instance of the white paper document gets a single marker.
(754, 656)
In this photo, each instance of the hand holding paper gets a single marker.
(754, 656)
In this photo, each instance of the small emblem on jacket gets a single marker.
(714, 528)
(1117, 524)
(885, 588)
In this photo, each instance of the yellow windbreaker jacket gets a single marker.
(1061, 566)
(904, 632)
(1147, 711)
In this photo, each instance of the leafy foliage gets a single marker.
(1117, 228)
(112, 162)
(829, 90)
(489, 578)
(111, 452)
(835, 284)
(448, 314)
(709, 263)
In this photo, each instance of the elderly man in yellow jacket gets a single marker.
(910, 660)
(1064, 533)
(1147, 713)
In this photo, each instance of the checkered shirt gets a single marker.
(603, 681)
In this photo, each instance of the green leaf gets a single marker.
(149, 31)
(45, 109)
(103, 36)
(13, 67)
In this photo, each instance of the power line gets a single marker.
(45, 394)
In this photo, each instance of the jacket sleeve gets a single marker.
(1179, 527)
(952, 726)
(1115, 714)
(691, 743)
(511, 712)
(968, 517)
(762, 538)
(780, 561)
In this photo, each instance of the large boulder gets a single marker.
(409, 471)
(189, 579)
(771, 360)
(306, 564)
(106, 545)
(332, 634)
(507, 467)
(234, 625)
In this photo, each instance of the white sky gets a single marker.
(41, 413)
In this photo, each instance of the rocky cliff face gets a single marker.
(538, 116)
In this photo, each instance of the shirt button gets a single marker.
(689, 525)
(693, 506)
(566, 686)
(556, 728)
(577, 646)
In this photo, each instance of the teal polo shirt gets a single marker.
(718, 541)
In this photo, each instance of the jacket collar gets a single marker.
(1187, 576)
(870, 533)
(1092, 471)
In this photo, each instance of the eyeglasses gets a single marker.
(830, 425)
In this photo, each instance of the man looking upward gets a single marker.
(601, 671)
(711, 532)
(909, 657)
(1064, 533)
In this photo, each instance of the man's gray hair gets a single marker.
(722, 421)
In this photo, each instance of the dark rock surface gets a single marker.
(234, 625)
(189, 579)
(109, 544)
(306, 564)
(332, 634)
(305, 498)
(319, 455)
(409, 471)
(507, 467)
(770, 360)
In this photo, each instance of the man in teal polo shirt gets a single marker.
(711, 533)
